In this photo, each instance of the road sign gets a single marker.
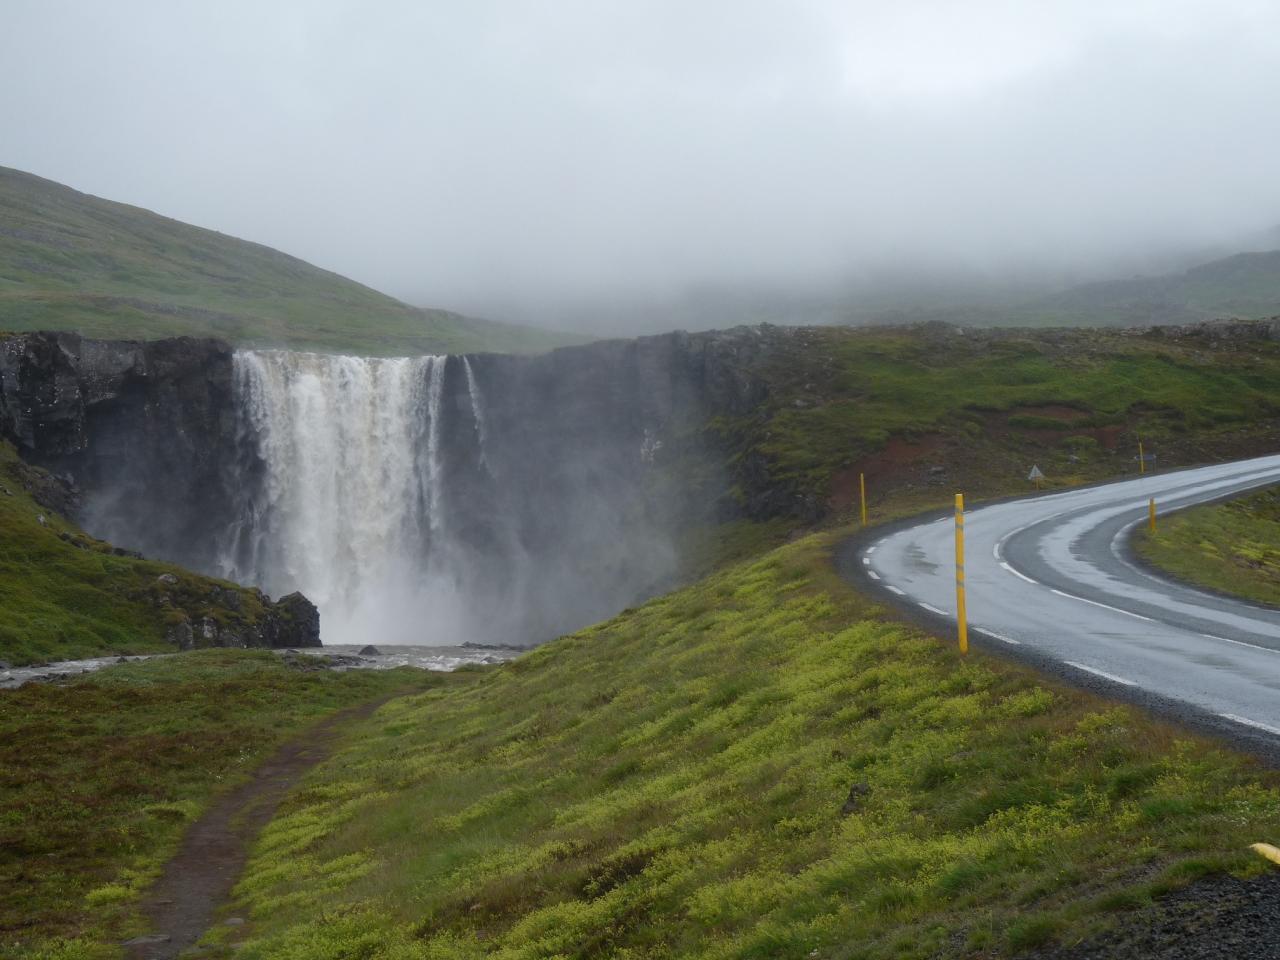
(1035, 474)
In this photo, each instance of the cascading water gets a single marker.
(477, 411)
(433, 500)
(349, 507)
(411, 511)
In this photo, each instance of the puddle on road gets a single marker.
(915, 557)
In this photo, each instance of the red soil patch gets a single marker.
(900, 463)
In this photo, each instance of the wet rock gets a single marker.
(180, 635)
(297, 622)
(168, 579)
(229, 598)
(854, 801)
(370, 651)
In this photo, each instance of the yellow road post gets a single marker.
(962, 619)
(1142, 460)
(1151, 514)
(1266, 850)
(862, 492)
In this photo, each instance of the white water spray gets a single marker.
(477, 413)
(350, 510)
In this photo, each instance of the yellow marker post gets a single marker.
(1142, 460)
(962, 619)
(1266, 850)
(1151, 514)
(862, 492)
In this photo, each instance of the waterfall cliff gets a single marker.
(485, 498)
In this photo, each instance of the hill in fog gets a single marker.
(71, 261)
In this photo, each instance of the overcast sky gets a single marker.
(526, 158)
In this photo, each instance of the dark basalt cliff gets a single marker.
(145, 426)
(587, 448)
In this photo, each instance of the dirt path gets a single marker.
(198, 880)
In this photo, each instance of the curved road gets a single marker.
(1051, 580)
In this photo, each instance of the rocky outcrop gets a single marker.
(1215, 333)
(291, 621)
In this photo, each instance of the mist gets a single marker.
(617, 167)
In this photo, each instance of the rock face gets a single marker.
(592, 461)
(291, 621)
(142, 428)
(146, 429)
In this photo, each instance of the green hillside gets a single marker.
(1245, 285)
(756, 767)
(1231, 547)
(70, 261)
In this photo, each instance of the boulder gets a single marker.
(297, 621)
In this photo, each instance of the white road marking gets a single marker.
(932, 609)
(1000, 636)
(995, 550)
(1101, 673)
(872, 549)
(866, 561)
(1250, 723)
(1104, 606)
(873, 575)
(1018, 573)
(1240, 643)
(900, 593)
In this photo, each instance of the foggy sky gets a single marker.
(528, 160)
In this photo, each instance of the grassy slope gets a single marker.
(99, 777)
(1233, 547)
(670, 783)
(64, 595)
(70, 261)
(840, 396)
(1243, 285)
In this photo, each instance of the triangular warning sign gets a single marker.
(1035, 474)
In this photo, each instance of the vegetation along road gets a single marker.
(1052, 578)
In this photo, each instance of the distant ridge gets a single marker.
(1246, 285)
(71, 261)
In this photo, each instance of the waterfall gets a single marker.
(412, 511)
(349, 498)
(477, 415)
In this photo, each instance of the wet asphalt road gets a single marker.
(1052, 580)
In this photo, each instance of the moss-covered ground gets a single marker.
(760, 765)
(100, 776)
(1231, 547)
(984, 406)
